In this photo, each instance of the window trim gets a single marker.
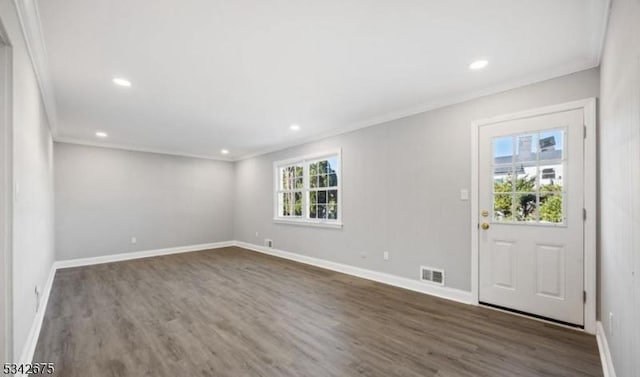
(305, 161)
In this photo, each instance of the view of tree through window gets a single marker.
(528, 184)
(309, 189)
(291, 190)
(323, 189)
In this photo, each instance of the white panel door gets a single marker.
(531, 251)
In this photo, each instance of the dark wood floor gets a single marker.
(232, 312)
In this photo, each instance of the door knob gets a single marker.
(484, 226)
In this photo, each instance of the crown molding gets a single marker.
(29, 17)
(434, 105)
(600, 36)
(438, 103)
(32, 30)
(136, 148)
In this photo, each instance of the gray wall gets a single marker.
(401, 187)
(33, 251)
(619, 151)
(106, 196)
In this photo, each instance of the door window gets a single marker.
(528, 172)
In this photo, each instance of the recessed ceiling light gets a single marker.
(101, 134)
(224, 151)
(294, 127)
(478, 64)
(121, 81)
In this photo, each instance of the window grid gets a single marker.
(514, 176)
(323, 187)
(320, 189)
(290, 186)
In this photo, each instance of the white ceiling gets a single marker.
(234, 74)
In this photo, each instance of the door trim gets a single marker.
(588, 107)
(6, 198)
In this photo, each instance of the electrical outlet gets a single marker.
(610, 324)
(134, 240)
(257, 234)
(385, 255)
(268, 243)
(464, 194)
(37, 293)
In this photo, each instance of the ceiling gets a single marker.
(235, 74)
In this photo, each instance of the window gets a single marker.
(308, 190)
(527, 178)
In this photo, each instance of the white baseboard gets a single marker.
(381, 277)
(605, 354)
(139, 254)
(32, 338)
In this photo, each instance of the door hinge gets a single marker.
(584, 296)
(585, 131)
(584, 214)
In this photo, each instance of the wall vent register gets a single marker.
(432, 275)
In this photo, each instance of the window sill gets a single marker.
(319, 224)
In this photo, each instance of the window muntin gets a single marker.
(308, 189)
(528, 185)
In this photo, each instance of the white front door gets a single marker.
(531, 200)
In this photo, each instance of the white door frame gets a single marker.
(6, 197)
(588, 107)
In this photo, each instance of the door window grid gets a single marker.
(528, 185)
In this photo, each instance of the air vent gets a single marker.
(432, 275)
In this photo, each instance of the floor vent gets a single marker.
(432, 275)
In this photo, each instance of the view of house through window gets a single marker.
(308, 189)
(528, 174)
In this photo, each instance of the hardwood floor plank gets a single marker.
(233, 312)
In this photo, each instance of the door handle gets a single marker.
(484, 226)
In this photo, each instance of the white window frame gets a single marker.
(305, 220)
